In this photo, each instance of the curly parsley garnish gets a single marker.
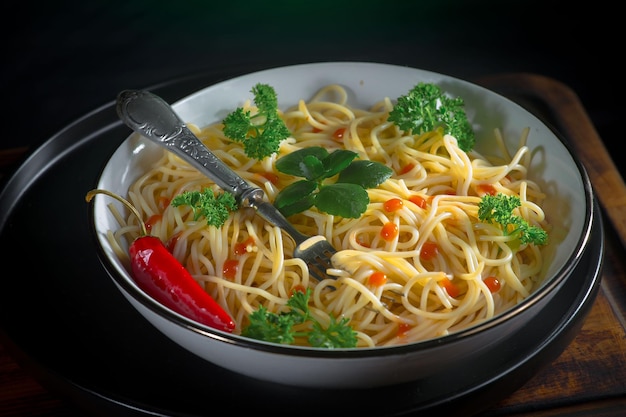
(499, 209)
(261, 133)
(426, 108)
(346, 197)
(279, 327)
(214, 208)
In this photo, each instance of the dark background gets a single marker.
(63, 59)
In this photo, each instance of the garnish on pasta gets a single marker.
(262, 132)
(499, 209)
(346, 196)
(286, 326)
(426, 108)
(214, 207)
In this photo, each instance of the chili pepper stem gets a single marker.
(90, 195)
(161, 276)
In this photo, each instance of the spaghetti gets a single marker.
(418, 264)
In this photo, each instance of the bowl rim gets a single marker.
(535, 297)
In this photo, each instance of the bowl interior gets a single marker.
(568, 208)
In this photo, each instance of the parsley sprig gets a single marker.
(499, 209)
(346, 197)
(261, 133)
(426, 108)
(279, 327)
(214, 208)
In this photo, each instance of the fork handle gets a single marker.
(271, 214)
(153, 118)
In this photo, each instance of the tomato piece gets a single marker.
(389, 231)
(339, 133)
(451, 288)
(418, 200)
(241, 248)
(407, 168)
(363, 243)
(229, 270)
(298, 288)
(377, 279)
(152, 220)
(270, 176)
(483, 189)
(429, 250)
(493, 284)
(393, 204)
(403, 329)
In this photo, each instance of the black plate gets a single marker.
(65, 320)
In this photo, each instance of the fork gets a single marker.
(152, 117)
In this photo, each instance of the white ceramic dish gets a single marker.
(570, 210)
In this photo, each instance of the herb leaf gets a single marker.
(214, 208)
(338, 334)
(499, 209)
(426, 108)
(296, 197)
(346, 198)
(294, 163)
(338, 161)
(270, 327)
(376, 173)
(278, 327)
(261, 133)
(342, 199)
(312, 168)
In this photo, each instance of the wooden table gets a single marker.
(587, 379)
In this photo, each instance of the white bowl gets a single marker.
(569, 209)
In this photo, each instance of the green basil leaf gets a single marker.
(293, 163)
(312, 168)
(367, 174)
(342, 199)
(337, 161)
(299, 206)
(296, 197)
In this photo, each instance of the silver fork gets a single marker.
(153, 118)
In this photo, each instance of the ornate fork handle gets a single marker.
(153, 118)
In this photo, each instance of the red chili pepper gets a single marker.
(157, 272)
(161, 276)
